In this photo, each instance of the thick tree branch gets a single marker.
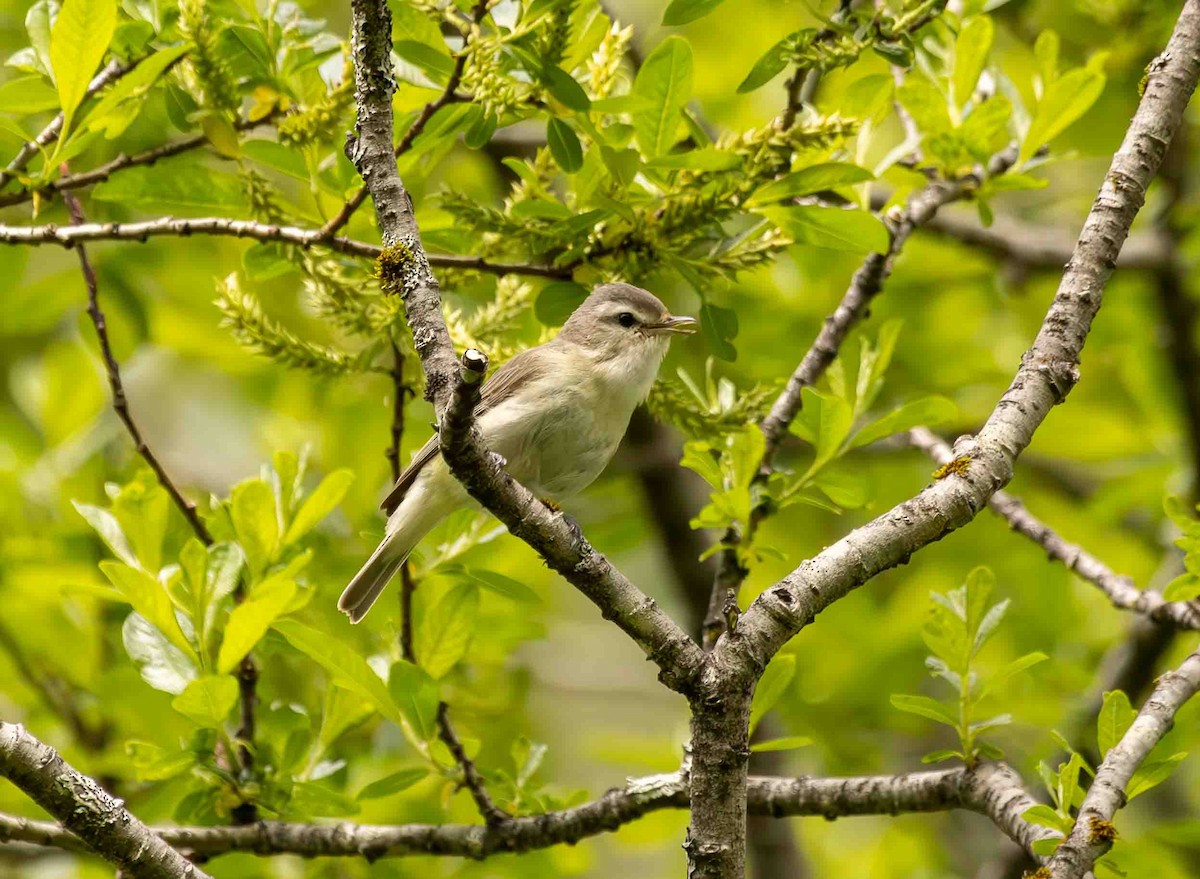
(141, 231)
(1048, 372)
(993, 790)
(1093, 833)
(405, 269)
(87, 811)
(1119, 588)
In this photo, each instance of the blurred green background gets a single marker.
(553, 671)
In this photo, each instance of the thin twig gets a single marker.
(111, 72)
(119, 401)
(141, 231)
(1119, 588)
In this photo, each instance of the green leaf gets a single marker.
(416, 695)
(250, 620)
(1065, 101)
(319, 504)
(78, 41)
(1046, 846)
(681, 12)
(109, 529)
(1068, 781)
(1151, 774)
(132, 85)
(161, 664)
(1012, 669)
(37, 25)
(256, 523)
(564, 87)
(970, 56)
(447, 630)
(786, 743)
(1044, 816)
(706, 159)
(1185, 587)
(438, 66)
(924, 707)
(557, 300)
(927, 410)
(345, 666)
(207, 701)
(925, 104)
(1045, 50)
(836, 228)
(149, 598)
(1116, 716)
(29, 94)
(769, 66)
(665, 80)
(179, 186)
(393, 784)
(511, 589)
(564, 145)
(720, 327)
(771, 687)
(941, 755)
(811, 179)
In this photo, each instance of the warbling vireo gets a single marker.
(555, 413)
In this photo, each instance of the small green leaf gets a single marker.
(416, 695)
(1013, 668)
(1046, 846)
(1045, 50)
(836, 228)
(927, 411)
(447, 630)
(771, 687)
(769, 66)
(811, 179)
(1185, 587)
(256, 523)
(78, 41)
(132, 85)
(500, 584)
(29, 94)
(719, 327)
(1044, 816)
(319, 504)
(1151, 774)
(557, 300)
(437, 65)
(925, 104)
(161, 664)
(564, 145)
(564, 87)
(149, 598)
(681, 12)
(393, 784)
(1116, 716)
(943, 754)
(1064, 103)
(970, 56)
(924, 707)
(665, 81)
(109, 529)
(250, 620)
(207, 701)
(345, 666)
(707, 159)
(786, 743)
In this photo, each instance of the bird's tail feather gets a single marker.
(369, 582)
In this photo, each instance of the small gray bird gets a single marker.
(555, 413)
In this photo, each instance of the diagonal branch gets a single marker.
(1119, 588)
(87, 811)
(1048, 372)
(994, 790)
(110, 73)
(68, 236)
(405, 269)
(1093, 832)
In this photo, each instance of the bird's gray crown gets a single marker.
(609, 298)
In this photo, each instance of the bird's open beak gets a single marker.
(681, 325)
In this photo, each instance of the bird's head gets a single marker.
(620, 321)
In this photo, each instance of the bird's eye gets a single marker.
(626, 319)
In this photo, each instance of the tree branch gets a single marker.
(405, 269)
(1093, 834)
(1047, 373)
(87, 811)
(1119, 588)
(110, 73)
(993, 790)
(68, 236)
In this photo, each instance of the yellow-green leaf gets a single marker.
(665, 82)
(207, 701)
(970, 56)
(836, 228)
(78, 41)
(447, 630)
(319, 504)
(1065, 101)
(149, 598)
(250, 620)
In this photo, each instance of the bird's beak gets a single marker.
(681, 325)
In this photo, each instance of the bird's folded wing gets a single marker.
(507, 381)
